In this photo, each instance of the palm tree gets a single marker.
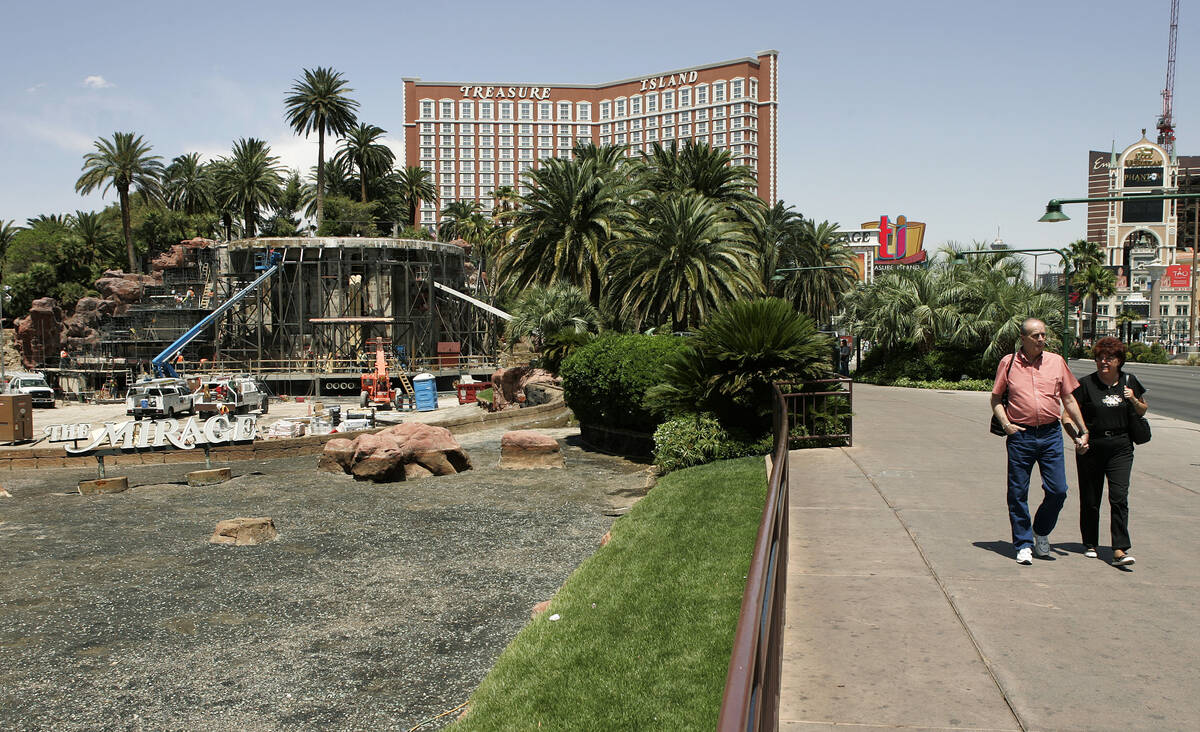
(541, 312)
(684, 260)
(565, 226)
(248, 180)
(817, 291)
(121, 163)
(775, 232)
(1084, 254)
(187, 185)
(415, 185)
(7, 233)
(361, 147)
(453, 216)
(319, 102)
(94, 239)
(707, 171)
(1093, 283)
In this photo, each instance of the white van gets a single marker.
(33, 384)
(159, 398)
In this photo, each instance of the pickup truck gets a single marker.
(159, 398)
(230, 395)
(33, 384)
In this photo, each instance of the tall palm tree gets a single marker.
(565, 227)
(249, 179)
(1093, 283)
(415, 185)
(817, 292)
(361, 146)
(320, 102)
(121, 163)
(454, 217)
(776, 232)
(94, 239)
(684, 261)
(707, 171)
(1084, 254)
(187, 185)
(8, 232)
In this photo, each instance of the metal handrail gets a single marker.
(751, 698)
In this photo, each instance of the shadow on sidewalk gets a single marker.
(1005, 548)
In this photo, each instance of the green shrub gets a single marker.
(556, 348)
(697, 439)
(605, 382)
(1141, 353)
(880, 366)
(942, 384)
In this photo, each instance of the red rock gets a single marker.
(606, 538)
(525, 449)
(39, 334)
(539, 608)
(409, 450)
(244, 531)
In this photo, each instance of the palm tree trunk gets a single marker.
(320, 173)
(248, 217)
(123, 195)
(362, 178)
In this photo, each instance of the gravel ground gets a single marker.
(378, 607)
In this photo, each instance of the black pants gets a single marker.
(1112, 458)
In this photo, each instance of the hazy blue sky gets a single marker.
(966, 115)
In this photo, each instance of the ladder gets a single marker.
(206, 295)
(404, 382)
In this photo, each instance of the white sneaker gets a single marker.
(1090, 553)
(1025, 556)
(1041, 546)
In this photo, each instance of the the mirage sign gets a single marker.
(145, 434)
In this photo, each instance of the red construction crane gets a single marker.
(1166, 123)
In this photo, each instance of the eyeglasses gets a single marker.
(1107, 358)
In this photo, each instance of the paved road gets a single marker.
(905, 609)
(1172, 391)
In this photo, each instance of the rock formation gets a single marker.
(244, 531)
(509, 385)
(525, 449)
(400, 452)
(39, 334)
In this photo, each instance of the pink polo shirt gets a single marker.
(1035, 390)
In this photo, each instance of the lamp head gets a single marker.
(1054, 213)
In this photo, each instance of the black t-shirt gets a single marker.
(1104, 408)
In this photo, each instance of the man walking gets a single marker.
(1039, 387)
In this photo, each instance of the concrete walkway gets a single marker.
(906, 609)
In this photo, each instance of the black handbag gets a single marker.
(1139, 428)
(996, 428)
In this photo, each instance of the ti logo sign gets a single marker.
(893, 238)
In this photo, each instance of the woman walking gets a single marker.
(1106, 398)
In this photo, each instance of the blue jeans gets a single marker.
(1044, 446)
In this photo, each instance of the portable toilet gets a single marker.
(425, 392)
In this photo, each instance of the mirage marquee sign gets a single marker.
(146, 434)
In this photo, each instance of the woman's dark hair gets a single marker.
(1109, 346)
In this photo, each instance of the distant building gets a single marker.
(1135, 234)
(477, 136)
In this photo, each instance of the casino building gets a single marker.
(1149, 245)
(477, 136)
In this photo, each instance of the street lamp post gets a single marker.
(1066, 259)
(1054, 213)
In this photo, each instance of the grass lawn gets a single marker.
(647, 622)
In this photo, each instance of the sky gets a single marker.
(965, 115)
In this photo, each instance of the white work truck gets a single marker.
(31, 383)
(159, 398)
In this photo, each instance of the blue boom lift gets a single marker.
(268, 264)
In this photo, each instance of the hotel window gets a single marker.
(718, 139)
(545, 110)
(427, 217)
(427, 165)
(702, 128)
(605, 129)
(651, 135)
(447, 110)
(564, 129)
(545, 141)
(467, 179)
(467, 153)
(526, 154)
(447, 166)
(620, 107)
(685, 116)
(582, 140)
(564, 111)
(486, 167)
(447, 179)
(635, 124)
(426, 109)
(668, 119)
(485, 110)
(506, 110)
(465, 141)
(735, 137)
(426, 139)
(485, 129)
(583, 129)
(718, 91)
(685, 130)
(486, 141)
(506, 154)
(467, 166)
(735, 109)
(426, 127)
(754, 89)
(525, 129)
(447, 140)
(526, 110)
(506, 129)
(605, 110)
(506, 167)
(651, 103)
(506, 140)
(583, 111)
(652, 122)
(702, 94)
(668, 100)
(485, 179)
(447, 153)
(427, 153)
(447, 194)
(685, 97)
(467, 192)
(525, 141)
(719, 125)
(635, 137)
(605, 140)
(1163, 309)
(544, 154)
(466, 110)
(564, 142)
(620, 140)
(446, 129)
(487, 154)
(506, 179)
(635, 105)
(668, 133)
(735, 89)
(619, 126)
(718, 112)
(545, 129)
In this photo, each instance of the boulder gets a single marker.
(120, 290)
(542, 392)
(39, 334)
(509, 384)
(400, 452)
(169, 259)
(527, 449)
(244, 531)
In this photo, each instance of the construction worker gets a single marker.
(179, 363)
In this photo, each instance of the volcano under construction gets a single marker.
(305, 330)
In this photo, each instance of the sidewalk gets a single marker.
(905, 608)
